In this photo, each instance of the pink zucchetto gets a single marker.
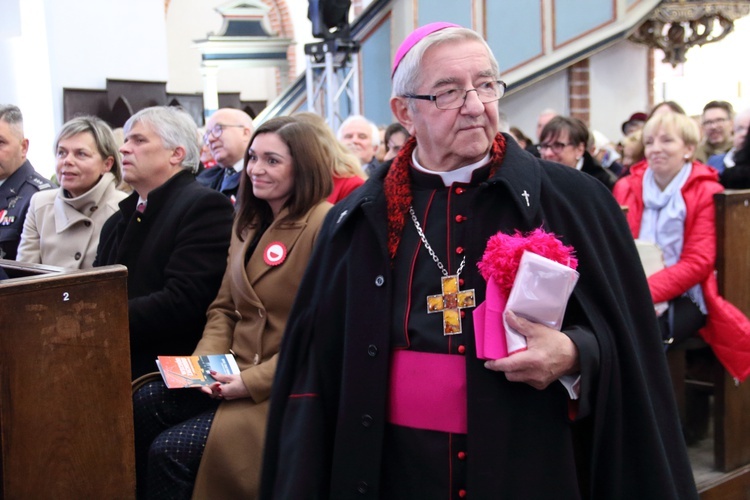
(414, 38)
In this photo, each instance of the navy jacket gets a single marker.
(15, 195)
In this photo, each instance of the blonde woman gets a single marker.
(347, 172)
(62, 226)
(670, 203)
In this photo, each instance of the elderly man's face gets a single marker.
(357, 136)
(13, 148)
(717, 125)
(453, 138)
(230, 146)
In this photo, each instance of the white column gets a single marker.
(210, 90)
(10, 32)
(28, 81)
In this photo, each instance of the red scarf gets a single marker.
(397, 187)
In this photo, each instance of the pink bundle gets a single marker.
(533, 275)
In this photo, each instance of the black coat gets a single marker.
(328, 405)
(737, 177)
(176, 254)
(593, 168)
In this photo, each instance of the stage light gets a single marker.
(329, 18)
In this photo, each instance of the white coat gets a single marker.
(64, 232)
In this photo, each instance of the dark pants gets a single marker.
(171, 429)
(681, 321)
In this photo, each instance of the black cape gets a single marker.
(327, 416)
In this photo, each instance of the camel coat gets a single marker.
(60, 231)
(248, 318)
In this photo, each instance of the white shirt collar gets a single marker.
(579, 163)
(728, 159)
(462, 174)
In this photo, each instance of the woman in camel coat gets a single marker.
(282, 208)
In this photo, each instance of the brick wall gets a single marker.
(579, 95)
(650, 75)
(281, 24)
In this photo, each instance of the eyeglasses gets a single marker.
(455, 98)
(556, 147)
(716, 121)
(216, 131)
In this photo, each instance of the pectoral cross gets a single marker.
(450, 303)
(526, 197)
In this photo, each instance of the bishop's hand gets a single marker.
(549, 355)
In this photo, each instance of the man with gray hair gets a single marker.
(18, 180)
(362, 137)
(377, 397)
(171, 233)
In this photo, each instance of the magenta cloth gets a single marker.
(489, 330)
(428, 391)
(414, 38)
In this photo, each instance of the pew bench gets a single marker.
(723, 472)
(66, 422)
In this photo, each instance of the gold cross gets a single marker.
(450, 302)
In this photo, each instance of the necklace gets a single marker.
(451, 300)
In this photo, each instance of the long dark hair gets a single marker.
(313, 181)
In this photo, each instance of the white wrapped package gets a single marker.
(540, 294)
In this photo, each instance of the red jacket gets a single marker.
(727, 330)
(342, 187)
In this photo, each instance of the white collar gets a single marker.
(579, 163)
(462, 174)
(729, 159)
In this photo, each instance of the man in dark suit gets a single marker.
(228, 133)
(171, 233)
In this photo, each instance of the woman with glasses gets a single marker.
(565, 140)
(62, 226)
(220, 428)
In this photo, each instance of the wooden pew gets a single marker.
(731, 412)
(66, 428)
